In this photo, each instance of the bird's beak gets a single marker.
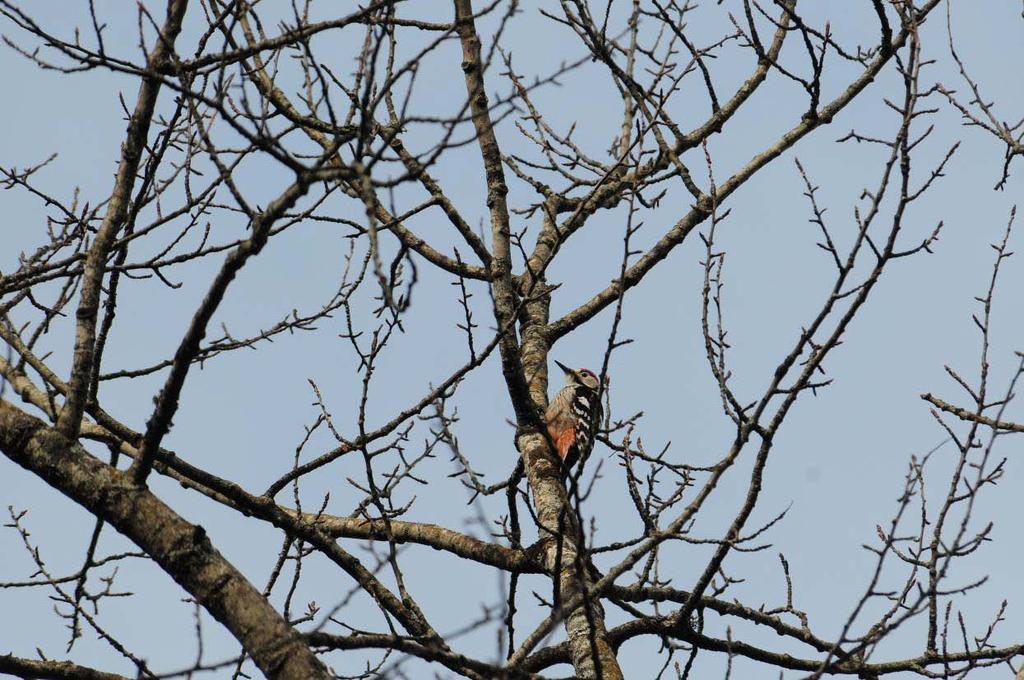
(568, 371)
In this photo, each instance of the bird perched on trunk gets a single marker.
(573, 416)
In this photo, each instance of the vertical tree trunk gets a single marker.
(525, 371)
(592, 656)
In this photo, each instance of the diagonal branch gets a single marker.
(432, 535)
(310, 126)
(698, 213)
(51, 670)
(117, 211)
(167, 402)
(964, 414)
(182, 549)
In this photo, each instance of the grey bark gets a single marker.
(180, 548)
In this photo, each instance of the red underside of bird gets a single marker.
(564, 444)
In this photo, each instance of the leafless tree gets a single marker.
(330, 108)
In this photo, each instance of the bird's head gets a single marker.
(579, 376)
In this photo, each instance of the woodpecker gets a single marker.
(573, 416)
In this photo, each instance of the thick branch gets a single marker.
(502, 286)
(51, 670)
(117, 211)
(180, 548)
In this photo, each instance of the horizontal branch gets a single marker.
(459, 663)
(638, 593)
(430, 535)
(964, 414)
(666, 625)
(51, 670)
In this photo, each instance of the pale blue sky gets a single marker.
(839, 460)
